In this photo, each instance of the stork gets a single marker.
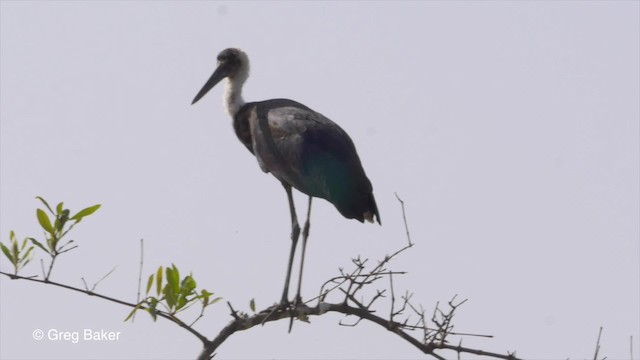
(302, 148)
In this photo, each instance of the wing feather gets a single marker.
(310, 152)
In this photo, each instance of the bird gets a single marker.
(300, 147)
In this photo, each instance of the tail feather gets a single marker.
(371, 213)
(368, 215)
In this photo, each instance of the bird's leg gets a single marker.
(305, 235)
(295, 233)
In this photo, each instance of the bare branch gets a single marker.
(393, 297)
(404, 217)
(140, 272)
(302, 310)
(42, 267)
(595, 355)
(102, 278)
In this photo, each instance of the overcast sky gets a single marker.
(510, 129)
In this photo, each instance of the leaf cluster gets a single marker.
(62, 224)
(56, 226)
(173, 294)
(19, 256)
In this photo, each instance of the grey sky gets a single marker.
(510, 129)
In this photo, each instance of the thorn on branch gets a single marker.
(234, 313)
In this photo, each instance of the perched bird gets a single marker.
(300, 147)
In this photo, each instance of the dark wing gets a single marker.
(311, 153)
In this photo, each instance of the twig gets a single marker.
(140, 274)
(141, 264)
(404, 217)
(102, 278)
(42, 268)
(53, 260)
(62, 250)
(86, 287)
(393, 297)
(437, 356)
(595, 355)
(461, 349)
(199, 317)
(378, 295)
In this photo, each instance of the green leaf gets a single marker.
(35, 242)
(172, 290)
(153, 303)
(85, 212)
(215, 300)
(170, 296)
(252, 305)
(159, 281)
(59, 208)
(7, 253)
(173, 278)
(15, 250)
(45, 204)
(44, 221)
(61, 219)
(181, 301)
(26, 258)
(133, 311)
(51, 243)
(205, 297)
(188, 285)
(149, 283)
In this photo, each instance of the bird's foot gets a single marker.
(296, 302)
(282, 306)
(285, 305)
(294, 306)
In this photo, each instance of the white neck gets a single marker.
(233, 100)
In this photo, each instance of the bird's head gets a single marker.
(233, 64)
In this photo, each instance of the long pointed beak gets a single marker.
(221, 72)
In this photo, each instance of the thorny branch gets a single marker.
(435, 331)
(350, 285)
